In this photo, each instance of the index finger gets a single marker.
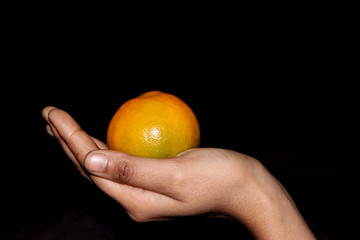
(76, 139)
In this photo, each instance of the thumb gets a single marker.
(158, 175)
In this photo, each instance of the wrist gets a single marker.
(268, 210)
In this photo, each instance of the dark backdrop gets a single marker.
(285, 93)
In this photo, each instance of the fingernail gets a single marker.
(96, 163)
(49, 131)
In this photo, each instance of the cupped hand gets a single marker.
(197, 181)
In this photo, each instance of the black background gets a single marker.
(281, 89)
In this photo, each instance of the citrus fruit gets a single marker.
(154, 124)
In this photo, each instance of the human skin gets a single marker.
(198, 181)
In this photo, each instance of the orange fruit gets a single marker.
(154, 124)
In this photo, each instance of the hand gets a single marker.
(197, 181)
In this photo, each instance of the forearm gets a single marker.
(278, 218)
(271, 213)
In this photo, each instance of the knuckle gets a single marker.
(140, 213)
(140, 218)
(123, 171)
(177, 179)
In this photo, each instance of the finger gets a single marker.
(58, 129)
(99, 143)
(63, 144)
(49, 130)
(71, 134)
(157, 175)
(53, 132)
(142, 205)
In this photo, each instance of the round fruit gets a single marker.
(155, 124)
